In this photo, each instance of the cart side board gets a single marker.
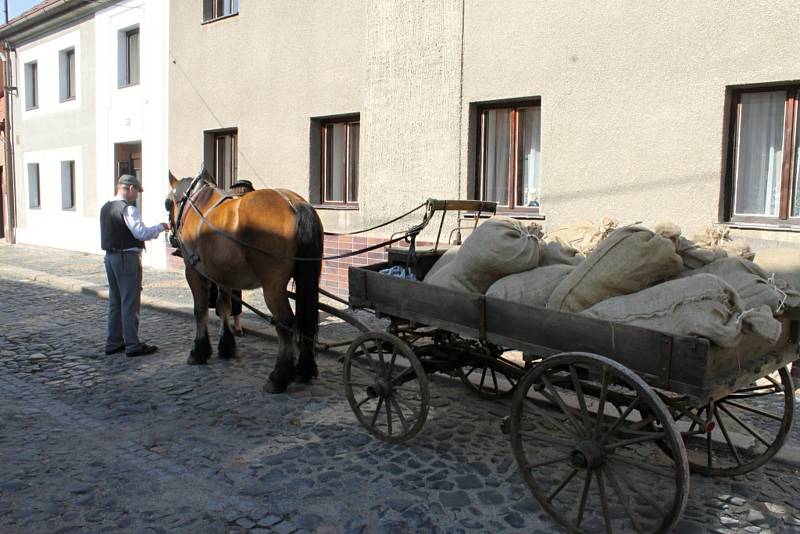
(682, 364)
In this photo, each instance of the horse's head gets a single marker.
(175, 202)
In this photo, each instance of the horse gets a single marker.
(261, 239)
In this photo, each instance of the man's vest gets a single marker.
(114, 233)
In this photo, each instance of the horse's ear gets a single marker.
(173, 182)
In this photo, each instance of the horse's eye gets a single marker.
(168, 205)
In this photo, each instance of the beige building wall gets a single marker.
(266, 71)
(634, 96)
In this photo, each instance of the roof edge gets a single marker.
(40, 21)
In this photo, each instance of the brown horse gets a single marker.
(261, 239)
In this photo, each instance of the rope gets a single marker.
(387, 223)
(293, 258)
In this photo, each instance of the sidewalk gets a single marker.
(166, 290)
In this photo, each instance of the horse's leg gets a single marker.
(202, 346)
(278, 303)
(227, 341)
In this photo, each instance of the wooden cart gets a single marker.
(606, 421)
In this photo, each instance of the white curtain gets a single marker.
(496, 130)
(529, 190)
(759, 153)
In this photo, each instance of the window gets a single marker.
(67, 185)
(34, 198)
(339, 166)
(221, 152)
(764, 163)
(128, 57)
(66, 60)
(215, 9)
(31, 85)
(509, 157)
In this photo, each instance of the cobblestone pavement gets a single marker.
(95, 443)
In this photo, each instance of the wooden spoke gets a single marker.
(580, 432)
(604, 500)
(402, 401)
(744, 426)
(483, 379)
(542, 412)
(562, 485)
(621, 496)
(753, 410)
(549, 440)
(364, 401)
(584, 496)
(549, 462)
(391, 364)
(388, 416)
(576, 384)
(399, 412)
(602, 403)
(619, 421)
(650, 436)
(377, 410)
(731, 446)
(637, 491)
(643, 466)
(494, 380)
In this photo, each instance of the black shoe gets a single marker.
(146, 349)
(114, 351)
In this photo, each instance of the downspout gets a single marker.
(8, 147)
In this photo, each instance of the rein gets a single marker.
(188, 199)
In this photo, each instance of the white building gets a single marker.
(90, 104)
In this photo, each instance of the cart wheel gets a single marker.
(386, 386)
(740, 432)
(590, 467)
(493, 380)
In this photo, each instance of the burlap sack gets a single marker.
(555, 253)
(530, 287)
(784, 263)
(584, 235)
(700, 305)
(448, 256)
(693, 254)
(627, 261)
(754, 286)
(498, 247)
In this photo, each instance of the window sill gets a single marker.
(34, 108)
(127, 85)
(70, 99)
(772, 227)
(343, 207)
(216, 19)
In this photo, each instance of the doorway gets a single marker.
(128, 160)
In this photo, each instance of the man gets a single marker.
(122, 236)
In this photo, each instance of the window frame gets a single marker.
(31, 204)
(67, 67)
(32, 85)
(215, 137)
(211, 10)
(348, 122)
(70, 165)
(515, 168)
(126, 80)
(789, 157)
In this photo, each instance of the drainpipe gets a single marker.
(8, 146)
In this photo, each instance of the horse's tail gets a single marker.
(309, 240)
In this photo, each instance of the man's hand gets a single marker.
(165, 226)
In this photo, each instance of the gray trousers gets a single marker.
(124, 271)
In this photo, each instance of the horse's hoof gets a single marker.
(272, 387)
(306, 373)
(193, 360)
(227, 347)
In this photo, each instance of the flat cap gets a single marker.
(129, 179)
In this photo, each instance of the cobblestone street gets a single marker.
(96, 443)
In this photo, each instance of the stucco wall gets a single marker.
(266, 71)
(633, 94)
